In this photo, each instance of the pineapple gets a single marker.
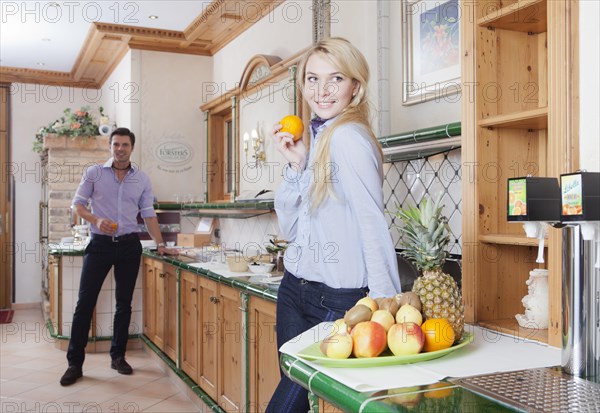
(425, 237)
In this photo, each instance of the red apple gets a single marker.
(337, 346)
(369, 339)
(405, 339)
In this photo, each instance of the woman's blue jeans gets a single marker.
(301, 305)
(100, 255)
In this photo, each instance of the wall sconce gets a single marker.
(246, 138)
(258, 146)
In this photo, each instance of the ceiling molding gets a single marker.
(106, 44)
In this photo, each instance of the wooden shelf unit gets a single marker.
(517, 56)
(509, 240)
(527, 119)
(529, 16)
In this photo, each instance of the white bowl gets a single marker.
(261, 268)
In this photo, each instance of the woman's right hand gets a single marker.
(293, 152)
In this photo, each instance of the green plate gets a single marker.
(313, 353)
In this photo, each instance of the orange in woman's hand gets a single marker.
(114, 226)
(292, 124)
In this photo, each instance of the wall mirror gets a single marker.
(268, 93)
(242, 159)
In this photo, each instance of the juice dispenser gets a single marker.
(580, 211)
(534, 201)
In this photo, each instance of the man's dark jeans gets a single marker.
(100, 255)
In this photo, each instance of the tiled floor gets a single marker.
(31, 366)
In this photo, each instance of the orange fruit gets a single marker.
(292, 124)
(438, 334)
(439, 390)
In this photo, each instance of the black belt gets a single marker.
(133, 236)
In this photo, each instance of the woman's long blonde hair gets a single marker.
(351, 63)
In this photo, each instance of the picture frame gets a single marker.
(431, 50)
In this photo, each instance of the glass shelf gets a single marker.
(237, 210)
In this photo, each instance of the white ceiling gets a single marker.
(53, 32)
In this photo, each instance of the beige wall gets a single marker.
(171, 132)
(33, 106)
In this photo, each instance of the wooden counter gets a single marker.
(217, 334)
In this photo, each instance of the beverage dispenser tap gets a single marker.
(580, 211)
(534, 201)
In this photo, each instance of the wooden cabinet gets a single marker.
(227, 340)
(190, 327)
(326, 407)
(212, 339)
(230, 345)
(208, 328)
(516, 106)
(160, 305)
(149, 311)
(264, 370)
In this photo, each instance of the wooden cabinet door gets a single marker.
(208, 341)
(230, 349)
(190, 331)
(264, 361)
(170, 315)
(160, 302)
(326, 407)
(149, 285)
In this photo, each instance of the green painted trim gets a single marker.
(263, 291)
(246, 349)
(293, 70)
(421, 135)
(313, 402)
(172, 206)
(331, 390)
(206, 117)
(184, 377)
(178, 314)
(54, 335)
(234, 127)
(58, 291)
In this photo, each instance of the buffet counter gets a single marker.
(215, 333)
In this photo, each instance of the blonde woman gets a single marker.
(330, 205)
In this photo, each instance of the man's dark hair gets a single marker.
(123, 132)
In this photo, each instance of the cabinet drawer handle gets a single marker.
(162, 275)
(214, 299)
(193, 290)
(150, 270)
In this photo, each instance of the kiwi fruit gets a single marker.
(356, 314)
(389, 304)
(411, 298)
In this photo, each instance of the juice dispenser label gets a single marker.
(517, 197)
(572, 201)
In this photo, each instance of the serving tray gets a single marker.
(313, 353)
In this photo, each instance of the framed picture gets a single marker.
(431, 52)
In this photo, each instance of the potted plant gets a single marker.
(71, 124)
(276, 248)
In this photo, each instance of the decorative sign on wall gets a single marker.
(174, 156)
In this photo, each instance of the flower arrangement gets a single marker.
(77, 123)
